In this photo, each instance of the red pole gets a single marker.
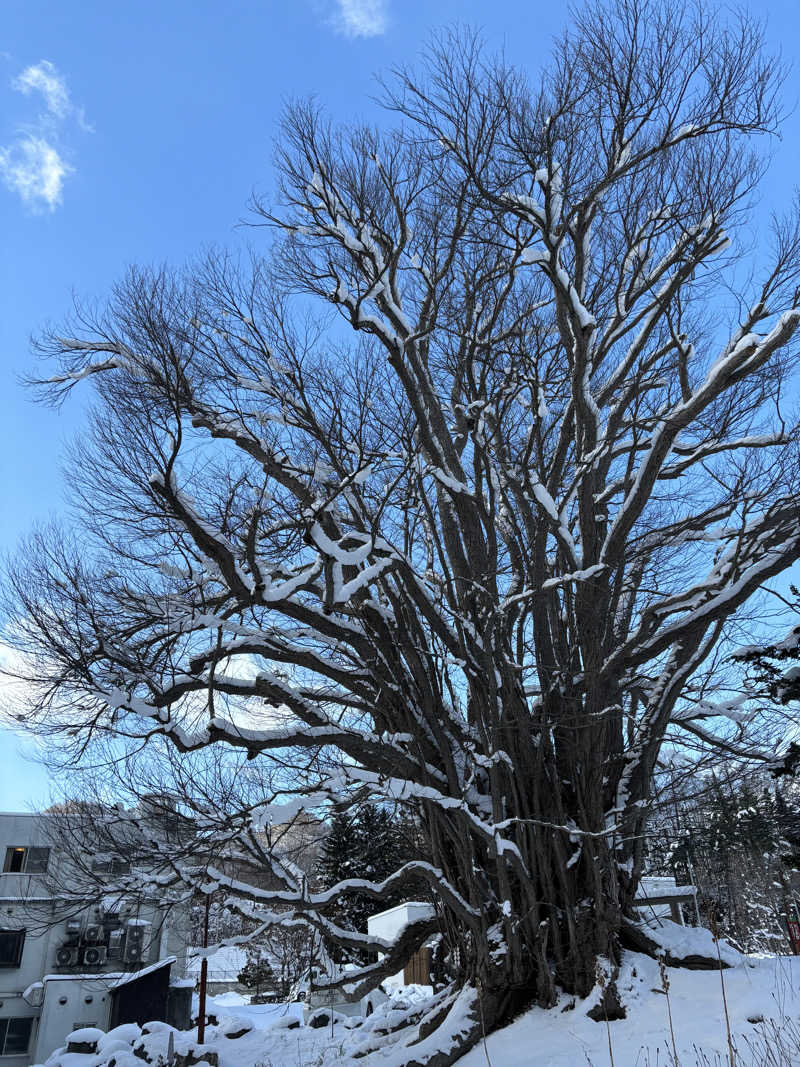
(794, 935)
(201, 1010)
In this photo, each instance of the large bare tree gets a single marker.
(478, 531)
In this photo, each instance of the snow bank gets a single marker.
(685, 942)
(85, 1035)
(229, 1000)
(763, 997)
(766, 991)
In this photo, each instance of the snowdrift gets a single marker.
(763, 996)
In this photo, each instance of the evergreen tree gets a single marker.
(340, 859)
(787, 818)
(774, 672)
(339, 851)
(382, 841)
(370, 844)
(257, 973)
(732, 837)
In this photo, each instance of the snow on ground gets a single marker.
(260, 1016)
(231, 999)
(767, 988)
(683, 942)
(763, 996)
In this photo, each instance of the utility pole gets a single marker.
(201, 1010)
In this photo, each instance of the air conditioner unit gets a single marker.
(134, 952)
(73, 927)
(67, 956)
(95, 955)
(115, 940)
(136, 935)
(93, 933)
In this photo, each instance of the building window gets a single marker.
(111, 865)
(11, 945)
(15, 1036)
(22, 859)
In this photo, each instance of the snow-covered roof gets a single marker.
(417, 906)
(134, 976)
(116, 978)
(389, 923)
(224, 965)
(663, 887)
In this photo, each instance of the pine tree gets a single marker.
(257, 973)
(731, 835)
(370, 844)
(381, 843)
(787, 818)
(340, 859)
(339, 851)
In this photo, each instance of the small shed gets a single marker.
(104, 1000)
(141, 996)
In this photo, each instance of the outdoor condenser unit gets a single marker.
(136, 933)
(67, 956)
(95, 955)
(115, 939)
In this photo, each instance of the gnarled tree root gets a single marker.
(443, 1036)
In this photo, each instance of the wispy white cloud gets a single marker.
(13, 689)
(34, 169)
(34, 165)
(362, 18)
(43, 78)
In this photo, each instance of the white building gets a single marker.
(56, 973)
(388, 925)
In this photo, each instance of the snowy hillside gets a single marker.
(763, 997)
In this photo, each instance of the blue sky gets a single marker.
(136, 133)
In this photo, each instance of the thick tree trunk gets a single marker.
(553, 895)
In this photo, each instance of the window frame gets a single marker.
(15, 960)
(5, 1026)
(8, 863)
(117, 865)
(39, 854)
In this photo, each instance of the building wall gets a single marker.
(19, 895)
(26, 901)
(71, 1003)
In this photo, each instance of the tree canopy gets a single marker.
(451, 490)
